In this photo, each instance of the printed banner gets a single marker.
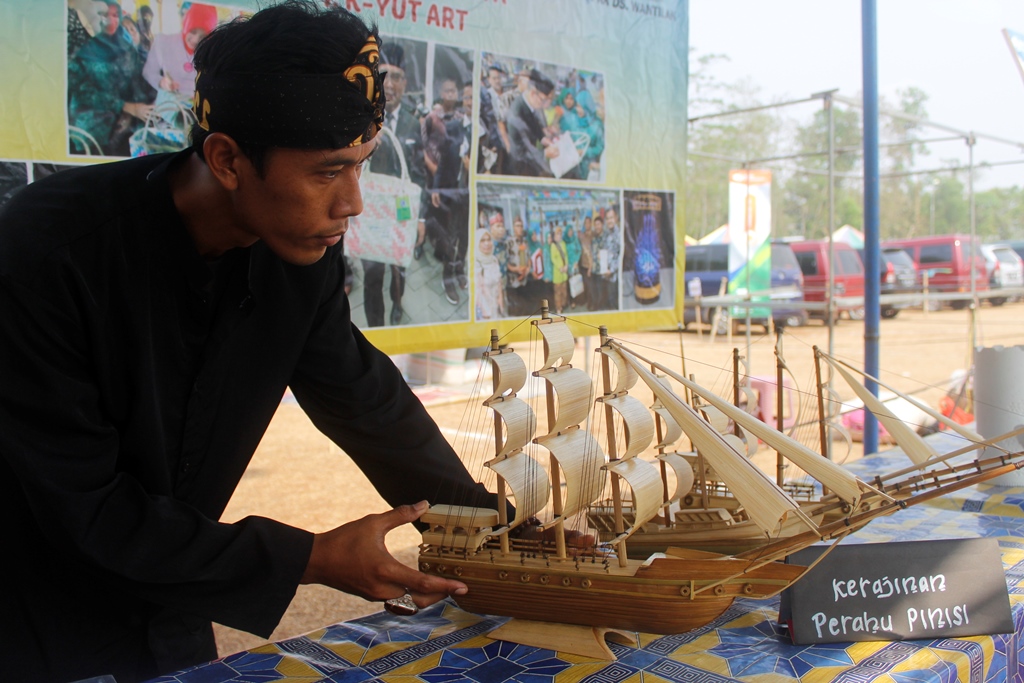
(750, 225)
(564, 119)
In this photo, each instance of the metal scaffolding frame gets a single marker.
(871, 177)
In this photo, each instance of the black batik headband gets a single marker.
(316, 111)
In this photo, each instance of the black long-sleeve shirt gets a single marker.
(135, 383)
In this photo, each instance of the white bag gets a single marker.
(575, 285)
(385, 231)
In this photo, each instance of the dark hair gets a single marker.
(294, 37)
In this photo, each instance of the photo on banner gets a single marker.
(408, 251)
(130, 78)
(648, 261)
(541, 120)
(563, 245)
(14, 175)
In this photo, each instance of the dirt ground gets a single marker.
(299, 477)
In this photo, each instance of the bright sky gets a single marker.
(953, 50)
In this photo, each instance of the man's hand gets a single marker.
(354, 559)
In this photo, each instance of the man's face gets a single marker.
(534, 98)
(467, 100)
(494, 80)
(598, 226)
(302, 204)
(394, 85)
(497, 231)
(449, 95)
(610, 218)
(517, 227)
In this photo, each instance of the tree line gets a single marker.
(911, 203)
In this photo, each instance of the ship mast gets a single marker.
(502, 495)
(609, 415)
(780, 423)
(556, 478)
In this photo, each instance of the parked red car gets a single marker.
(847, 275)
(947, 259)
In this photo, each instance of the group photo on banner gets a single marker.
(584, 250)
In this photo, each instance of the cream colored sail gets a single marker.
(637, 422)
(916, 448)
(575, 394)
(520, 423)
(572, 386)
(508, 373)
(683, 471)
(960, 429)
(527, 478)
(681, 468)
(528, 481)
(580, 459)
(842, 482)
(625, 376)
(671, 431)
(638, 431)
(645, 481)
(767, 505)
(559, 343)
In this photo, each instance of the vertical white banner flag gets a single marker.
(750, 221)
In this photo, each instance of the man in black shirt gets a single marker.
(153, 313)
(532, 148)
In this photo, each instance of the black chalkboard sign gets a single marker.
(898, 591)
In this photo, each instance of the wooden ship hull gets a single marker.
(664, 595)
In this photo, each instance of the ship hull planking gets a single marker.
(662, 596)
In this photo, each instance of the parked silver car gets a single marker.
(1005, 269)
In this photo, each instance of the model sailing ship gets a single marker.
(667, 592)
(703, 512)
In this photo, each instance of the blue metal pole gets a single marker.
(872, 255)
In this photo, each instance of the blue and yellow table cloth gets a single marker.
(444, 644)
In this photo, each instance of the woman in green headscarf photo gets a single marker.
(107, 96)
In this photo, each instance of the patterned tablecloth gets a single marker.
(445, 644)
